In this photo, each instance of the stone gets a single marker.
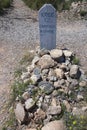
(55, 93)
(43, 52)
(45, 71)
(30, 68)
(75, 72)
(57, 54)
(80, 97)
(46, 87)
(54, 125)
(25, 95)
(29, 103)
(25, 75)
(31, 129)
(74, 83)
(46, 62)
(68, 107)
(35, 60)
(35, 78)
(39, 115)
(67, 53)
(47, 25)
(54, 110)
(59, 73)
(64, 67)
(83, 83)
(84, 108)
(20, 113)
(52, 78)
(36, 71)
(54, 102)
(57, 85)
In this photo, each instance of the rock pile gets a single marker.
(54, 81)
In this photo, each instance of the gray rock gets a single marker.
(43, 52)
(46, 87)
(54, 125)
(75, 72)
(74, 83)
(36, 71)
(46, 62)
(20, 113)
(54, 110)
(29, 103)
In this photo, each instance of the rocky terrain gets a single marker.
(52, 80)
(19, 33)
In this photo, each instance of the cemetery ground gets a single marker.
(19, 33)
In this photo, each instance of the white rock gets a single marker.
(25, 95)
(83, 84)
(46, 62)
(25, 75)
(20, 113)
(67, 53)
(54, 125)
(79, 97)
(35, 60)
(56, 53)
(54, 102)
(34, 78)
(68, 107)
(29, 103)
(59, 73)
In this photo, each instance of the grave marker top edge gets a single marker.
(47, 5)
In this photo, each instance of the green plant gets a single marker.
(74, 122)
(75, 60)
(11, 122)
(4, 4)
(27, 58)
(18, 88)
(37, 4)
(83, 13)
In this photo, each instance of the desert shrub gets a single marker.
(58, 4)
(83, 13)
(4, 4)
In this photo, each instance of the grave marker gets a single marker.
(47, 26)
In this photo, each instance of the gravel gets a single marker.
(19, 32)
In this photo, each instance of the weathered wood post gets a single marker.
(47, 26)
